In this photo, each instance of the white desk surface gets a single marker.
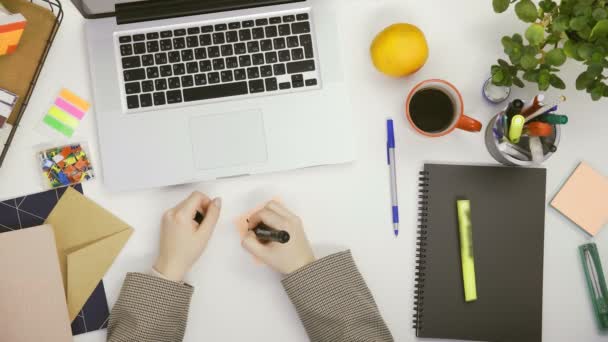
(345, 206)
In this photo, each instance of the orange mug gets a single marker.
(435, 108)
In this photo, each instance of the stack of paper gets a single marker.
(7, 103)
(11, 30)
(32, 301)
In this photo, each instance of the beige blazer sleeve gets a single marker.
(334, 303)
(150, 309)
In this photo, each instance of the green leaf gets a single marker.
(561, 23)
(585, 51)
(498, 77)
(553, 39)
(556, 57)
(600, 30)
(535, 34)
(547, 5)
(597, 57)
(557, 82)
(595, 70)
(578, 23)
(518, 82)
(583, 8)
(529, 62)
(503, 64)
(531, 75)
(515, 55)
(526, 11)
(517, 38)
(584, 80)
(597, 92)
(599, 14)
(530, 50)
(500, 6)
(571, 49)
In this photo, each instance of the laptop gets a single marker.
(188, 91)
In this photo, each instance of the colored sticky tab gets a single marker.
(59, 126)
(63, 117)
(69, 108)
(75, 100)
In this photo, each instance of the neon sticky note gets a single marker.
(75, 100)
(63, 117)
(69, 108)
(57, 125)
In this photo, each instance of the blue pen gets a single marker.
(390, 152)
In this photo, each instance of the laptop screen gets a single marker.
(105, 8)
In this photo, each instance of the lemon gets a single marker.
(400, 50)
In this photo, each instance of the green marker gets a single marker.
(516, 128)
(466, 250)
(594, 274)
(554, 119)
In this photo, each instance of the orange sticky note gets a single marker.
(584, 199)
(75, 100)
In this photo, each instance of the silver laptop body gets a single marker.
(253, 88)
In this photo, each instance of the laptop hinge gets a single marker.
(134, 12)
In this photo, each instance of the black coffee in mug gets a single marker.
(432, 110)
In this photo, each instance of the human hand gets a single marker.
(183, 240)
(284, 258)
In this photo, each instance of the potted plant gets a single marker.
(576, 29)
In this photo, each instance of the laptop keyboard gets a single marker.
(198, 63)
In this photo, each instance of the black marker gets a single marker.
(514, 108)
(268, 234)
(199, 217)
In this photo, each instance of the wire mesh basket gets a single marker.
(55, 8)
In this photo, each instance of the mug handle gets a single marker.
(469, 124)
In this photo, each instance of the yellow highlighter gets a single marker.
(466, 250)
(516, 128)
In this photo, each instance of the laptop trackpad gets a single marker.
(228, 139)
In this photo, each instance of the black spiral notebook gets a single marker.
(508, 221)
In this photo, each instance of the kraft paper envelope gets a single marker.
(32, 301)
(88, 240)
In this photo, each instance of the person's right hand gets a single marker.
(284, 258)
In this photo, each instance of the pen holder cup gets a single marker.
(519, 150)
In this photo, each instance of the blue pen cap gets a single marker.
(391, 133)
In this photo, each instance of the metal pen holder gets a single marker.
(493, 145)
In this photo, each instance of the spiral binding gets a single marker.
(421, 250)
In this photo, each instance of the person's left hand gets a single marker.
(183, 240)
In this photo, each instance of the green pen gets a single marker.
(554, 119)
(467, 259)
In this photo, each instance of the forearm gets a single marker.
(148, 309)
(334, 303)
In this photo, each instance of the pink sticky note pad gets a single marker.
(69, 108)
(242, 226)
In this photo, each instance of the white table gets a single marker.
(345, 206)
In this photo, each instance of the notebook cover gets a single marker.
(508, 220)
(32, 210)
(584, 199)
(31, 290)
